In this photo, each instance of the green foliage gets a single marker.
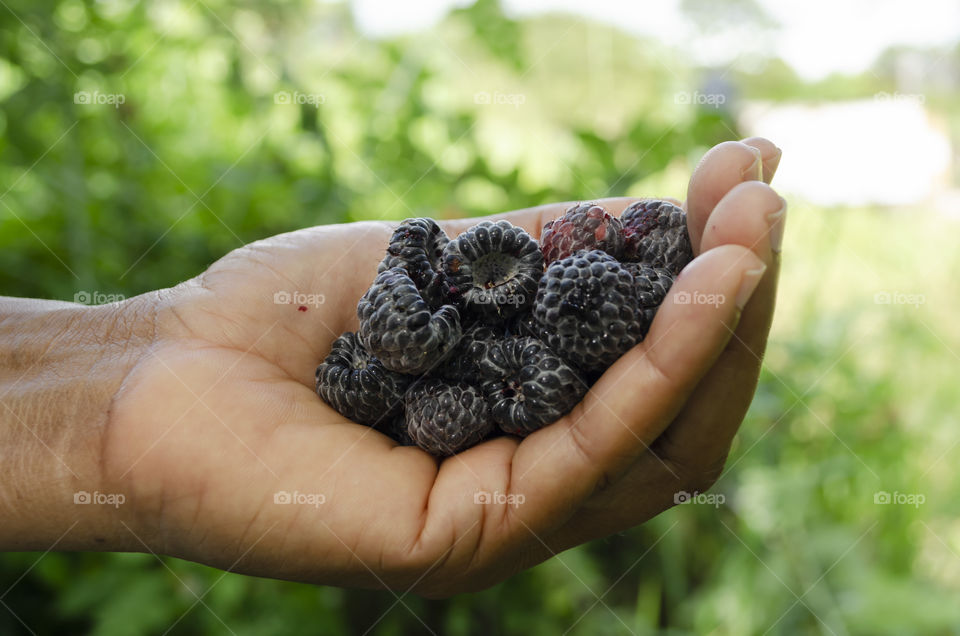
(483, 114)
(197, 156)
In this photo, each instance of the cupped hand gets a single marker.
(227, 456)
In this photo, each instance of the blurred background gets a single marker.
(142, 141)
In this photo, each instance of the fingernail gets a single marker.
(755, 171)
(771, 164)
(776, 221)
(751, 278)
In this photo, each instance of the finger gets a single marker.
(751, 215)
(533, 219)
(769, 153)
(723, 167)
(558, 467)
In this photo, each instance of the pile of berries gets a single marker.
(490, 332)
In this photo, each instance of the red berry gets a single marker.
(585, 226)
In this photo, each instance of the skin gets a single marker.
(196, 404)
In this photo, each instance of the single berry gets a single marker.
(463, 364)
(357, 385)
(585, 226)
(587, 309)
(398, 326)
(495, 267)
(444, 419)
(652, 285)
(417, 246)
(657, 235)
(527, 385)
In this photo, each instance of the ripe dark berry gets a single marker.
(657, 235)
(652, 285)
(495, 267)
(417, 246)
(399, 327)
(585, 226)
(444, 419)
(358, 386)
(527, 385)
(587, 309)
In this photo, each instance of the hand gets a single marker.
(219, 415)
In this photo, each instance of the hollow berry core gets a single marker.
(494, 269)
(513, 389)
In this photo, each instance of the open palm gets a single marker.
(229, 458)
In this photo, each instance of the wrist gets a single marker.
(61, 365)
